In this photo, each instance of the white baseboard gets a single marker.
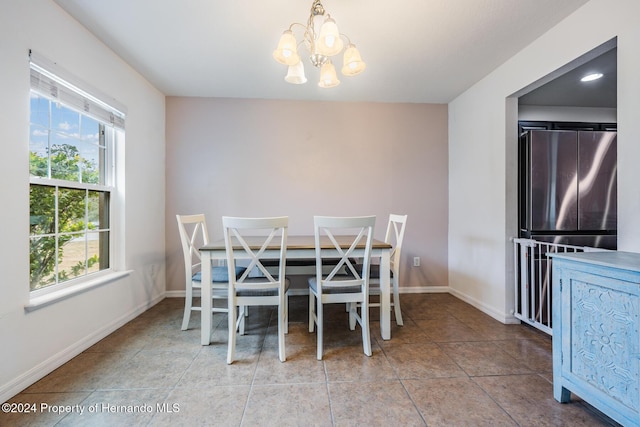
(39, 371)
(424, 289)
(498, 315)
(180, 294)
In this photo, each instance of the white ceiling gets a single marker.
(426, 51)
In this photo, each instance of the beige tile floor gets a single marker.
(450, 365)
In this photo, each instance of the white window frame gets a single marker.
(78, 96)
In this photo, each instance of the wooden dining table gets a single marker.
(298, 247)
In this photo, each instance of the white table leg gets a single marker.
(385, 299)
(205, 297)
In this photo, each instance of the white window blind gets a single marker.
(49, 81)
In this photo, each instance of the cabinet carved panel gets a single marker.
(596, 331)
(604, 348)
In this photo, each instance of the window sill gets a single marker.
(62, 294)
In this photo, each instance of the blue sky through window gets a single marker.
(55, 124)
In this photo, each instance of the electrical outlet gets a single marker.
(416, 261)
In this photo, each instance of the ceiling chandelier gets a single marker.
(321, 47)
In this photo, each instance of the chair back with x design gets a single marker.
(251, 241)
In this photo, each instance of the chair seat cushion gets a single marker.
(219, 274)
(350, 289)
(261, 292)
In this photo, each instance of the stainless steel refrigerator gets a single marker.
(568, 187)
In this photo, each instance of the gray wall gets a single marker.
(262, 158)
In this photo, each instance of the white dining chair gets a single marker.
(394, 236)
(193, 234)
(250, 241)
(345, 234)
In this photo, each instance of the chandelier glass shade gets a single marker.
(321, 46)
(295, 74)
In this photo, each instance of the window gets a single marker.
(72, 180)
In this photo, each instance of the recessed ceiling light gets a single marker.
(591, 77)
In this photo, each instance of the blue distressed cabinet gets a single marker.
(596, 334)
